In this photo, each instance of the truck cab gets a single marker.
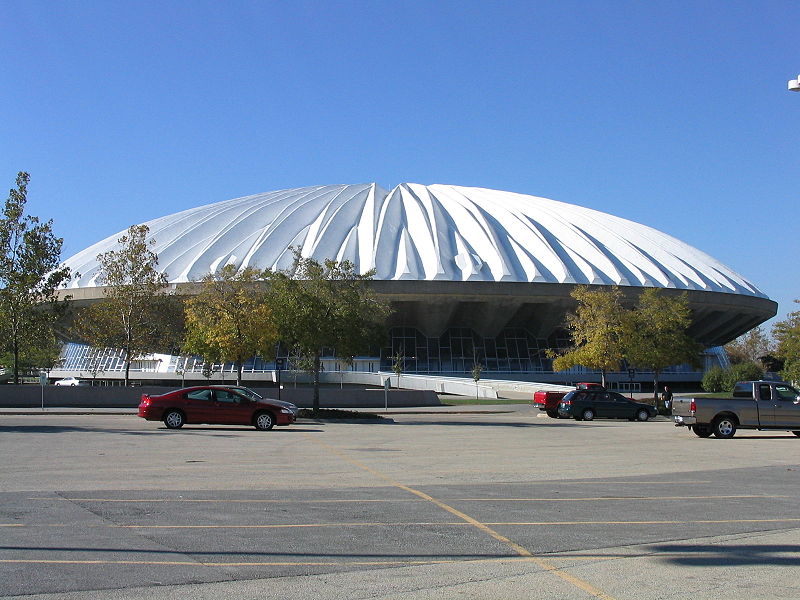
(759, 405)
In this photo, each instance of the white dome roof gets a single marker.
(417, 232)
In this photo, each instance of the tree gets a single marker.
(95, 362)
(136, 315)
(655, 333)
(208, 371)
(714, 380)
(717, 379)
(787, 336)
(597, 327)
(30, 255)
(326, 305)
(398, 362)
(746, 371)
(230, 319)
(477, 368)
(750, 347)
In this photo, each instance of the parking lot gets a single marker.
(498, 503)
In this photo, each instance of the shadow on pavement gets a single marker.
(709, 555)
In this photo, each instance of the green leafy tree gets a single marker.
(746, 371)
(326, 305)
(655, 333)
(714, 380)
(29, 277)
(230, 319)
(717, 379)
(136, 314)
(787, 336)
(597, 328)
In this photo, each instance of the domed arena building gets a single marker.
(471, 273)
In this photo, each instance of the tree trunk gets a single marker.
(16, 361)
(655, 388)
(239, 372)
(127, 365)
(317, 367)
(603, 378)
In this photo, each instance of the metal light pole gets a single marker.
(278, 368)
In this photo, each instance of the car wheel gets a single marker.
(174, 419)
(642, 415)
(724, 427)
(702, 431)
(588, 414)
(264, 421)
(553, 414)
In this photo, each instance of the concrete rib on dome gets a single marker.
(425, 233)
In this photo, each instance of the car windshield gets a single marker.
(248, 392)
(786, 392)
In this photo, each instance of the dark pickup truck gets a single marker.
(754, 405)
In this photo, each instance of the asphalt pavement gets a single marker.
(492, 502)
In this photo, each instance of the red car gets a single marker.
(549, 401)
(218, 405)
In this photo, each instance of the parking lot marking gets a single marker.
(410, 524)
(182, 563)
(236, 501)
(666, 522)
(392, 500)
(520, 550)
(619, 498)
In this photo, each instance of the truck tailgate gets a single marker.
(682, 406)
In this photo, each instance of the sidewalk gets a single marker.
(421, 410)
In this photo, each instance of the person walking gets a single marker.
(667, 398)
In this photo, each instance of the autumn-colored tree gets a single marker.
(398, 364)
(29, 277)
(477, 369)
(655, 333)
(326, 305)
(230, 319)
(750, 347)
(136, 314)
(597, 328)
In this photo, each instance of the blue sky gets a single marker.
(675, 115)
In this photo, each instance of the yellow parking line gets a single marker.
(227, 501)
(412, 524)
(665, 522)
(285, 526)
(604, 482)
(618, 498)
(392, 500)
(270, 563)
(522, 551)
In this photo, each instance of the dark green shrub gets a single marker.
(745, 371)
(714, 380)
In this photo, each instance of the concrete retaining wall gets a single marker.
(28, 396)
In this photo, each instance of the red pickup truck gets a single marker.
(549, 401)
